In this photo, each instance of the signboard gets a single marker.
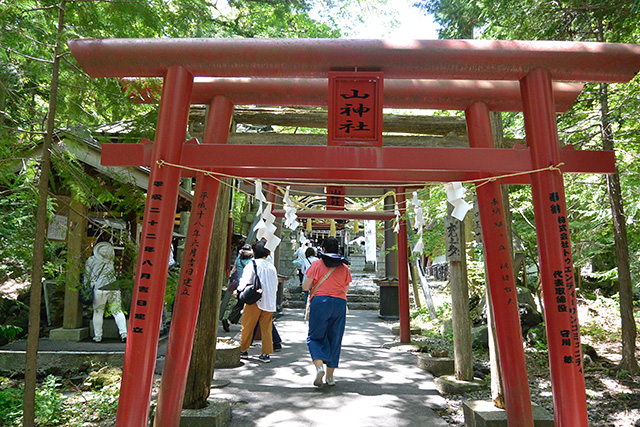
(453, 242)
(370, 249)
(57, 229)
(355, 108)
(335, 198)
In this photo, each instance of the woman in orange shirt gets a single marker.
(328, 281)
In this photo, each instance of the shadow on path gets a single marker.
(374, 386)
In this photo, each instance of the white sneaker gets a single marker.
(331, 381)
(97, 339)
(319, 376)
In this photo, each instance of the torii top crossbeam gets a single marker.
(398, 93)
(418, 59)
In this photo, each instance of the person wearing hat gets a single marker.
(328, 281)
(244, 257)
(100, 272)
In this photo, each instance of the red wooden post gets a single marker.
(497, 251)
(271, 194)
(194, 267)
(554, 251)
(403, 269)
(153, 260)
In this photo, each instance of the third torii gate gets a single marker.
(503, 69)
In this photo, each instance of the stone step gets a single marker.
(354, 301)
(294, 293)
(351, 304)
(370, 299)
(363, 294)
(293, 304)
(363, 306)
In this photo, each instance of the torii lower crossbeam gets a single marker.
(388, 163)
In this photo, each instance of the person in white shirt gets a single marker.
(298, 259)
(262, 311)
(309, 257)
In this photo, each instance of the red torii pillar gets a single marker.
(554, 252)
(194, 267)
(153, 261)
(502, 287)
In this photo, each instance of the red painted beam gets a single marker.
(291, 161)
(338, 158)
(423, 59)
(404, 93)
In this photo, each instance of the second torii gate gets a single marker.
(533, 64)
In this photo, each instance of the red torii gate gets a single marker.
(426, 94)
(533, 64)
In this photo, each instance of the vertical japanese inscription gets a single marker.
(506, 271)
(452, 236)
(335, 197)
(355, 108)
(564, 288)
(193, 245)
(146, 267)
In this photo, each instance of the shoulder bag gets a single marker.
(308, 306)
(253, 292)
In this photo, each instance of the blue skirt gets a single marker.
(327, 319)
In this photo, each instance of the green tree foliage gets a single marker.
(592, 20)
(457, 18)
(604, 117)
(86, 106)
(271, 19)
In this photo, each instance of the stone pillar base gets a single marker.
(448, 384)
(61, 334)
(437, 366)
(227, 354)
(483, 413)
(217, 413)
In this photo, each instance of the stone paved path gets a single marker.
(375, 386)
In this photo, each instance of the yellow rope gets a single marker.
(219, 175)
(492, 179)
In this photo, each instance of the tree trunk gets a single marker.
(497, 387)
(628, 361)
(75, 244)
(461, 322)
(37, 273)
(414, 284)
(203, 355)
